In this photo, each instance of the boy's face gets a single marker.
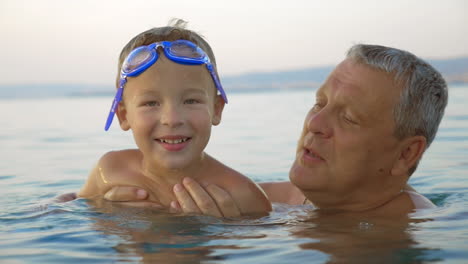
(170, 108)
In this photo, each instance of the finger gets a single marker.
(65, 197)
(224, 201)
(175, 207)
(125, 193)
(186, 202)
(202, 199)
(148, 205)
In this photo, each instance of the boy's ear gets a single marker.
(410, 153)
(218, 110)
(122, 115)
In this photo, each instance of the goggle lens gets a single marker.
(136, 58)
(181, 49)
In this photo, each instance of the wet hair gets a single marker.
(424, 96)
(175, 30)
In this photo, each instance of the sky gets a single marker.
(66, 41)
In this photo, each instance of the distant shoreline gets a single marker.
(455, 72)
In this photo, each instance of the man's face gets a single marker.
(347, 146)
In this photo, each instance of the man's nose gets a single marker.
(172, 115)
(319, 123)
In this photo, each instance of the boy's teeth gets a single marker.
(175, 141)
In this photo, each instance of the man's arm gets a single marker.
(209, 200)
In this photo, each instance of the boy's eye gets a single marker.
(151, 103)
(191, 101)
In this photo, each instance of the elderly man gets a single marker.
(374, 117)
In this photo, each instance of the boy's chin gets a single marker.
(175, 164)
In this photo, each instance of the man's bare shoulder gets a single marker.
(420, 201)
(405, 203)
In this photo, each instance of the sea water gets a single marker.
(48, 146)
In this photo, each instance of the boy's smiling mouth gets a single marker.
(173, 143)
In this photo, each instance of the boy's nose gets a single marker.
(171, 116)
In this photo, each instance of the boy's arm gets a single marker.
(91, 187)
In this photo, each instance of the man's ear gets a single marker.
(411, 152)
(218, 110)
(122, 115)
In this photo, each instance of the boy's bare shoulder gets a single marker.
(119, 155)
(119, 158)
(112, 168)
(248, 196)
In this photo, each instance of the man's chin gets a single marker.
(297, 175)
(303, 177)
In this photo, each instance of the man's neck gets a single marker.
(354, 202)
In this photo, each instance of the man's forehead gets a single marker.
(345, 75)
(351, 79)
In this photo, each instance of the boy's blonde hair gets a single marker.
(176, 29)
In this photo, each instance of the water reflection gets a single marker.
(151, 236)
(358, 238)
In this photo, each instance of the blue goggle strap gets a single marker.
(216, 81)
(115, 103)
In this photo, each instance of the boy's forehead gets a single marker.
(164, 67)
(168, 73)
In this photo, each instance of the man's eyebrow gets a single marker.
(320, 92)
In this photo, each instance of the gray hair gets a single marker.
(424, 95)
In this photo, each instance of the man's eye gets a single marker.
(191, 101)
(349, 120)
(316, 107)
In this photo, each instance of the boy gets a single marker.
(167, 96)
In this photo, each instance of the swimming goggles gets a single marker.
(141, 58)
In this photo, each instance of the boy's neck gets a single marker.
(164, 176)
